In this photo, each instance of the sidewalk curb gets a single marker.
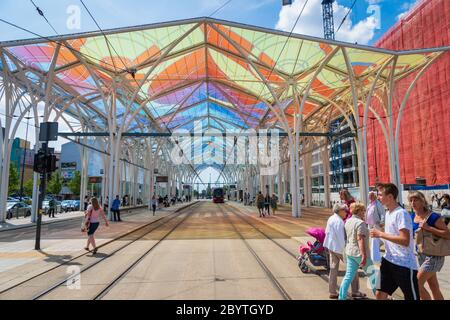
(33, 224)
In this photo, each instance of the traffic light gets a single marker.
(44, 162)
(51, 163)
(39, 164)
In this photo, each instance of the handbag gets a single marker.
(432, 245)
(85, 222)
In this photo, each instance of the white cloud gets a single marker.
(310, 22)
(406, 7)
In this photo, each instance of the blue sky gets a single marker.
(362, 26)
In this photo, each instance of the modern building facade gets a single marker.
(424, 131)
(424, 128)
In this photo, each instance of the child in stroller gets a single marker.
(315, 252)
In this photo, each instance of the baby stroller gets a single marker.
(315, 252)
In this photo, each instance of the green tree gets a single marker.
(13, 183)
(28, 188)
(55, 184)
(75, 183)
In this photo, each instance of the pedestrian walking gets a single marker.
(348, 199)
(274, 203)
(260, 204)
(86, 202)
(115, 208)
(335, 243)
(375, 219)
(267, 204)
(92, 222)
(357, 250)
(431, 262)
(106, 204)
(51, 208)
(445, 207)
(154, 203)
(398, 265)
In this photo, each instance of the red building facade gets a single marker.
(424, 148)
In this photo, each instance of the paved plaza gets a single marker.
(216, 252)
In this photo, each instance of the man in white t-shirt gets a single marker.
(335, 243)
(399, 264)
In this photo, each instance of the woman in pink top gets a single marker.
(93, 213)
(347, 198)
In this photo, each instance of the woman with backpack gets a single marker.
(92, 221)
(426, 221)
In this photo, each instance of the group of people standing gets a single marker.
(265, 203)
(354, 234)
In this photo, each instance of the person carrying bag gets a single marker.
(86, 221)
(429, 243)
(92, 222)
(432, 239)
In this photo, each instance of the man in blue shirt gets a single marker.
(115, 208)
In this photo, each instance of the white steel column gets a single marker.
(362, 150)
(326, 175)
(111, 173)
(6, 145)
(281, 184)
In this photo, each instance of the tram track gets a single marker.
(104, 291)
(278, 286)
(289, 252)
(73, 261)
(117, 279)
(323, 277)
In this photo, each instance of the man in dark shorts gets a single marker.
(260, 204)
(398, 266)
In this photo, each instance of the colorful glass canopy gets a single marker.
(227, 76)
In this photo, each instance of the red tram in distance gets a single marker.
(218, 195)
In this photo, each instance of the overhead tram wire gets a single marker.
(133, 77)
(345, 17)
(41, 13)
(220, 8)
(273, 68)
(108, 43)
(62, 44)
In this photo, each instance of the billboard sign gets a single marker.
(162, 179)
(95, 179)
(68, 170)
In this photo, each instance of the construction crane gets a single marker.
(328, 21)
(327, 13)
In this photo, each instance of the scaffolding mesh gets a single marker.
(425, 125)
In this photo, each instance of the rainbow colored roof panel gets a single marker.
(226, 75)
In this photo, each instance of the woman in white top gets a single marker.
(335, 243)
(92, 220)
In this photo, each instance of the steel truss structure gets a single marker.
(160, 78)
